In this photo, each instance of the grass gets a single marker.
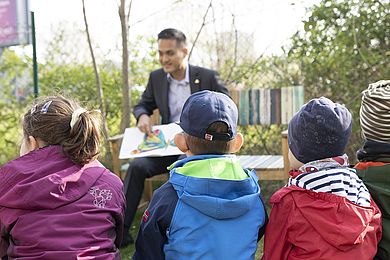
(267, 187)
(128, 251)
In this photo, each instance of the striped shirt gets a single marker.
(327, 177)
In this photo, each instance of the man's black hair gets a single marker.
(172, 34)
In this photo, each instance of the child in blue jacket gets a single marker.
(211, 207)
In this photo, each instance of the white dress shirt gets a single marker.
(179, 91)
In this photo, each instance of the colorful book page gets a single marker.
(136, 144)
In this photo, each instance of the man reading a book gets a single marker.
(167, 90)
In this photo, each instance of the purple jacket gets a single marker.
(51, 208)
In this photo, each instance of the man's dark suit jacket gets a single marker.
(156, 92)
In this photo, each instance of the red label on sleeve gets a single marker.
(145, 216)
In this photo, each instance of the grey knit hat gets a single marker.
(375, 112)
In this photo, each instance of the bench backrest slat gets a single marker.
(266, 106)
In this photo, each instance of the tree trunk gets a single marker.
(99, 90)
(126, 94)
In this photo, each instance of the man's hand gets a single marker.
(144, 124)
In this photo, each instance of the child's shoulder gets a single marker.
(107, 178)
(283, 192)
(165, 193)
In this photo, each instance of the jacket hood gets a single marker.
(337, 220)
(222, 190)
(45, 179)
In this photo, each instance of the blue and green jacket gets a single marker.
(210, 208)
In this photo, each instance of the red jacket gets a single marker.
(315, 225)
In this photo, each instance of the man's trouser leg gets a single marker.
(138, 171)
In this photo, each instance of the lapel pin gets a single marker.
(197, 81)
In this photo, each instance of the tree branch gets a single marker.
(356, 42)
(156, 12)
(128, 12)
(99, 88)
(380, 3)
(200, 29)
(217, 47)
(245, 72)
(235, 48)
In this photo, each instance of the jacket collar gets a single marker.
(373, 151)
(323, 164)
(186, 76)
(182, 162)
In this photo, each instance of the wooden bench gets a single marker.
(267, 167)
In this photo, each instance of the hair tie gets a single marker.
(76, 115)
(46, 106)
(33, 109)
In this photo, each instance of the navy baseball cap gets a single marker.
(206, 107)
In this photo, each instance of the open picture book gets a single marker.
(159, 143)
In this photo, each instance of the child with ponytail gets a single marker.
(56, 200)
